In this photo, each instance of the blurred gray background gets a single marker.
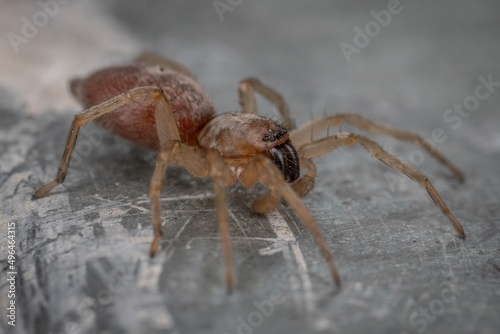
(82, 252)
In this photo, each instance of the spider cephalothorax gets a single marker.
(239, 137)
(157, 103)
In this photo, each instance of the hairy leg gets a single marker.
(308, 132)
(221, 177)
(302, 187)
(173, 152)
(323, 146)
(198, 165)
(266, 172)
(89, 115)
(305, 183)
(246, 92)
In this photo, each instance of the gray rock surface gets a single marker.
(81, 253)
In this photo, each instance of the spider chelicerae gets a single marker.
(157, 103)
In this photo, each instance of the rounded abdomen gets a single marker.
(135, 122)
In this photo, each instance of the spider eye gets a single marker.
(281, 133)
(268, 138)
(275, 135)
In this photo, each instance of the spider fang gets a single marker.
(286, 158)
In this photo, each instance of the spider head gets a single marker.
(239, 136)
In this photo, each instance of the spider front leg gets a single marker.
(89, 115)
(173, 152)
(266, 172)
(198, 165)
(302, 187)
(323, 146)
(222, 177)
(306, 182)
(164, 157)
(307, 133)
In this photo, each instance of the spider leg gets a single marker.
(306, 182)
(210, 165)
(221, 177)
(155, 186)
(246, 89)
(266, 172)
(149, 58)
(302, 187)
(303, 135)
(89, 115)
(174, 152)
(325, 145)
(266, 203)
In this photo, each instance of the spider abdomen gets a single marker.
(136, 122)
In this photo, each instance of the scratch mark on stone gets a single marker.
(285, 235)
(206, 195)
(231, 214)
(119, 202)
(182, 228)
(445, 256)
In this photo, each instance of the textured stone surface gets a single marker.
(82, 259)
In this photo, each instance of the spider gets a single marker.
(157, 103)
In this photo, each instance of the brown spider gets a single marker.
(158, 104)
